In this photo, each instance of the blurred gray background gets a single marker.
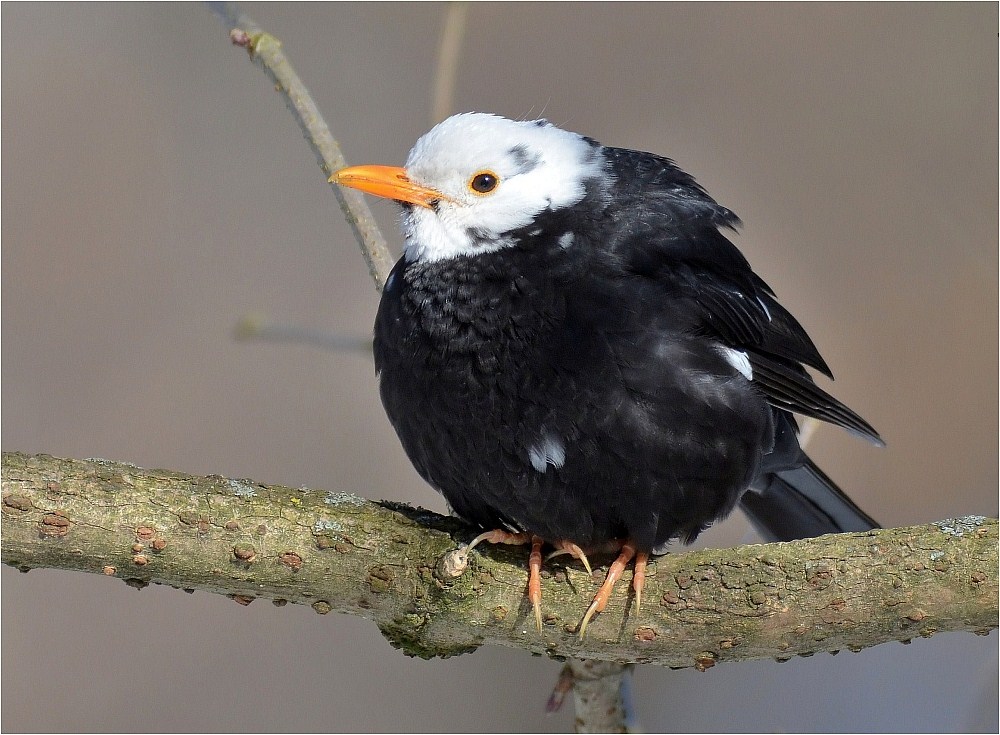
(155, 189)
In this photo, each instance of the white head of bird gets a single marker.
(475, 177)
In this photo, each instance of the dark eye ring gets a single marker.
(484, 182)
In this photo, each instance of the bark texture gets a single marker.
(392, 564)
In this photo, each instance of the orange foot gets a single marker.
(628, 551)
(499, 536)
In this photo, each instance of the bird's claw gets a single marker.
(567, 547)
(614, 574)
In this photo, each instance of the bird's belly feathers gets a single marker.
(569, 434)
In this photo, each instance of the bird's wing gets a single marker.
(667, 228)
(747, 316)
(670, 233)
(789, 387)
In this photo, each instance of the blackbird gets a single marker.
(573, 352)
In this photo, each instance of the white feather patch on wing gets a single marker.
(739, 360)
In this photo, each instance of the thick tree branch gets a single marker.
(383, 561)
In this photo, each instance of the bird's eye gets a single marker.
(484, 182)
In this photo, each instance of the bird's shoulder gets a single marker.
(668, 230)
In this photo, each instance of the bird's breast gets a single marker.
(462, 319)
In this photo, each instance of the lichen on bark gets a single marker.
(338, 552)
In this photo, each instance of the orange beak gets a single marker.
(390, 182)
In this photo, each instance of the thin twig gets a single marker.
(265, 51)
(253, 327)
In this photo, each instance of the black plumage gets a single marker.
(611, 369)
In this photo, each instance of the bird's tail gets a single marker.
(801, 503)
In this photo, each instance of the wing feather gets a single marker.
(791, 389)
